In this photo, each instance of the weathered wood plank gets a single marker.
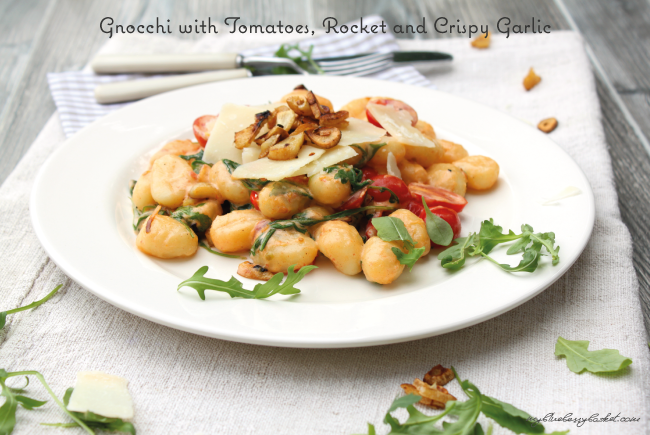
(617, 33)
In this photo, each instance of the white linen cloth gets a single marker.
(187, 384)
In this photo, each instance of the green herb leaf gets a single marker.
(191, 215)
(491, 235)
(408, 258)
(439, 230)
(548, 240)
(250, 183)
(303, 59)
(509, 417)
(528, 263)
(453, 258)
(366, 153)
(391, 229)
(8, 409)
(349, 174)
(221, 254)
(197, 161)
(3, 314)
(579, 358)
(236, 289)
(273, 285)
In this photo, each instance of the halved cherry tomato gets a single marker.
(393, 183)
(414, 206)
(370, 230)
(368, 173)
(395, 104)
(355, 200)
(447, 214)
(202, 127)
(255, 199)
(437, 196)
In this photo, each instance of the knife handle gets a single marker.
(159, 63)
(136, 89)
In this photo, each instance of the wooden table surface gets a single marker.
(41, 36)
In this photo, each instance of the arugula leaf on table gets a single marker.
(197, 161)
(466, 414)
(9, 408)
(366, 153)
(391, 229)
(438, 229)
(3, 314)
(93, 420)
(235, 288)
(579, 358)
(304, 59)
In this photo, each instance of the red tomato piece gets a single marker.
(393, 183)
(435, 196)
(448, 215)
(355, 200)
(368, 173)
(415, 207)
(255, 199)
(395, 104)
(202, 127)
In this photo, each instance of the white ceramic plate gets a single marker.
(82, 215)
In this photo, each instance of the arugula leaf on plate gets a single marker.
(438, 229)
(579, 358)
(531, 244)
(391, 229)
(303, 59)
(235, 288)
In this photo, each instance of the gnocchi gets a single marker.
(288, 217)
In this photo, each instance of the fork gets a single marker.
(233, 66)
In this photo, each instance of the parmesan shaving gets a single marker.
(358, 132)
(566, 193)
(275, 170)
(331, 157)
(398, 124)
(101, 394)
(391, 166)
(251, 153)
(232, 118)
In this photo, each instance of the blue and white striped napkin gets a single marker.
(73, 91)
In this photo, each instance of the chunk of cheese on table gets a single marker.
(358, 132)
(102, 394)
(275, 170)
(329, 158)
(398, 124)
(232, 118)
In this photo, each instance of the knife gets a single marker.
(171, 63)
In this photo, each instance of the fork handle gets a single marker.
(159, 63)
(136, 89)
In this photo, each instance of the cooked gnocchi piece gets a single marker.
(171, 177)
(448, 177)
(285, 248)
(164, 237)
(231, 189)
(482, 172)
(342, 244)
(232, 232)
